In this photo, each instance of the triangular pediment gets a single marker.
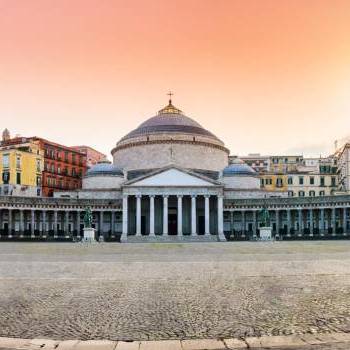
(172, 177)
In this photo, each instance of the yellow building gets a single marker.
(274, 182)
(21, 166)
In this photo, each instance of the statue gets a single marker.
(264, 217)
(88, 218)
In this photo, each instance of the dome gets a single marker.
(170, 138)
(238, 167)
(170, 120)
(104, 168)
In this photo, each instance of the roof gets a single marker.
(238, 168)
(169, 120)
(104, 168)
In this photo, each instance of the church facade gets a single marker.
(171, 181)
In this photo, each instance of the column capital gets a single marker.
(193, 196)
(207, 196)
(138, 195)
(179, 195)
(151, 195)
(165, 196)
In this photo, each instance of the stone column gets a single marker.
(254, 223)
(43, 227)
(78, 224)
(101, 226)
(300, 219)
(334, 225)
(138, 215)
(55, 231)
(66, 223)
(112, 224)
(151, 216)
(1, 221)
(193, 216)
(322, 221)
(32, 231)
(277, 222)
(10, 223)
(124, 236)
(165, 215)
(179, 215)
(311, 222)
(344, 221)
(289, 222)
(243, 226)
(21, 223)
(221, 218)
(207, 214)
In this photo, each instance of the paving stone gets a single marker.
(45, 344)
(205, 344)
(123, 345)
(275, 341)
(67, 344)
(13, 342)
(234, 344)
(253, 342)
(96, 345)
(161, 345)
(344, 337)
(312, 339)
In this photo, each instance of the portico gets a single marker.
(173, 203)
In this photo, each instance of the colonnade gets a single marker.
(290, 221)
(55, 222)
(165, 214)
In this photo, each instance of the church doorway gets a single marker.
(172, 221)
(201, 225)
(143, 225)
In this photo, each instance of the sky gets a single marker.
(265, 76)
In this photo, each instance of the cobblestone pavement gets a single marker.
(170, 291)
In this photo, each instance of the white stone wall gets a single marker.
(241, 182)
(102, 182)
(89, 194)
(193, 156)
(19, 190)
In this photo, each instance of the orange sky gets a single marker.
(268, 76)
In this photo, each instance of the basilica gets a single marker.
(171, 180)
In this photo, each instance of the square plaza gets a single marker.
(173, 291)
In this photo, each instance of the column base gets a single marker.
(123, 238)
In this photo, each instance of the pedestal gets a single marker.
(265, 233)
(89, 234)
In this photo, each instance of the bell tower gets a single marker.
(6, 135)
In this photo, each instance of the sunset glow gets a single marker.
(264, 76)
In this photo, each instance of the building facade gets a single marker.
(64, 167)
(21, 166)
(171, 180)
(92, 156)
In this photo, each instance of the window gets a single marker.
(6, 177)
(18, 178)
(38, 192)
(290, 194)
(290, 181)
(53, 168)
(66, 156)
(38, 181)
(312, 193)
(6, 160)
(262, 182)
(333, 181)
(58, 170)
(279, 182)
(301, 180)
(312, 180)
(301, 194)
(321, 193)
(38, 165)
(322, 181)
(18, 162)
